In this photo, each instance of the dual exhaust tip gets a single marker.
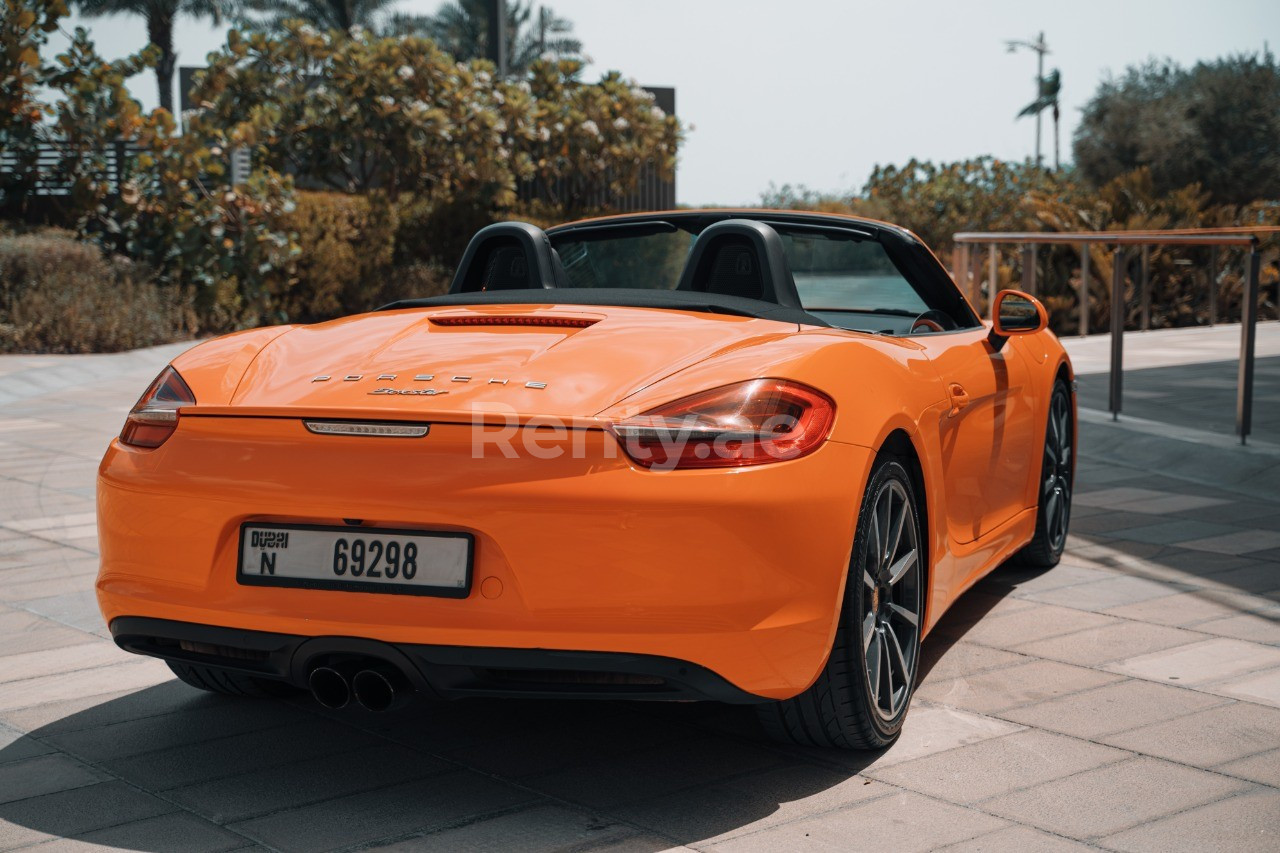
(373, 688)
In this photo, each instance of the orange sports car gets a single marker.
(746, 456)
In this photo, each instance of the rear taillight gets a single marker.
(748, 423)
(155, 416)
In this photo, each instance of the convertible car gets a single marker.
(744, 456)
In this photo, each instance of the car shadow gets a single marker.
(169, 768)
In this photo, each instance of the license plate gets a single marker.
(356, 559)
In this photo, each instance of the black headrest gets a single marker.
(740, 257)
(508, 256)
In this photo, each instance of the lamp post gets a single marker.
(497, 10)
(1041, 48)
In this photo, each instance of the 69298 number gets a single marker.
(359, 558)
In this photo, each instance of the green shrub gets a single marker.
(345, 245)
(416, 281)
(58, 294)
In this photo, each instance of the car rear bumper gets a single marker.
(735, 572)
(441, 672)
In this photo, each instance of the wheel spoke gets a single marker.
(883, 535)
(903, 612)
(900, 568)
(868, 580)
(903, 669)
(875, 529)
(868, 628)
(896, 536)
(873, 666)
(888, 670)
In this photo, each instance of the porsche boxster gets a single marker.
(745, 456)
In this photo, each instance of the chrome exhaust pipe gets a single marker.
(377, 690)
(329, 687)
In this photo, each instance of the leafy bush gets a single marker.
(170, 207)
(1215, 125)
(58, 294)
(399, 115)
(345, 243)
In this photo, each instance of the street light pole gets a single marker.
(1041, 48)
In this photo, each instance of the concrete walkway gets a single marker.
(1128, 699)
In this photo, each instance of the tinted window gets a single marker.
(649, 261)
(837, 274)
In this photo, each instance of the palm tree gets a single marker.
(1050, 86)
(461, 27)
(159, 15)
(344, 15)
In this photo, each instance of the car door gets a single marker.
(987, 435)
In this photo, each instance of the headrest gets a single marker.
(508, 256)
(740, 257)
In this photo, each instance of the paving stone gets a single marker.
(1241, 542)
(84, 712)
(1001, 689)
(1030, 583)
(1247, 822)
(1035, 622)
(357, 819)
(748, 804)
(45, 774)
(15, 746)
(55, 688)
(1189, 608)
(1016, 839)
(75, 812)
(65, 659)
(998, 766)
(1263, 687)
(1255, 629)
(1169, 503)
(1167, 532)
(1105, 594)
(1113, 708)
(1105, 521)
(1115, 496)
(178, 831)
(1199, 663)
(1261, 767)
(157, 741)
(271, 789)
(959, 659)
(538, 830)
(928, 729)
(912, 821)
(655, 772)
(1259, 576)
(1110, 642)
(1207, 738)
(1113, 798)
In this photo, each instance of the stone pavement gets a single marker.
(1128, 699)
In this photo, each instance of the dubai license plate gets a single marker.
(356, 559)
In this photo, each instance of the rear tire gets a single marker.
(860, 698)
(1057, 475)
(229, 683)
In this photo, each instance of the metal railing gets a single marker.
(966, 271)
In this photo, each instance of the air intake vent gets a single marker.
(503, 320)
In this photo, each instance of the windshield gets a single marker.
(832, 271)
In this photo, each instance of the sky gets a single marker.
(818, 92)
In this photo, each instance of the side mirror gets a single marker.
(1016, 313)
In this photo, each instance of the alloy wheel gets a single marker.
(890, 612)
(1055, 495)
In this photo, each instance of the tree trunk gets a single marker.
(160, 31)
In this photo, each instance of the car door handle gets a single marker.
(959, 398)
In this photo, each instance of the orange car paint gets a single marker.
(581, 544)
